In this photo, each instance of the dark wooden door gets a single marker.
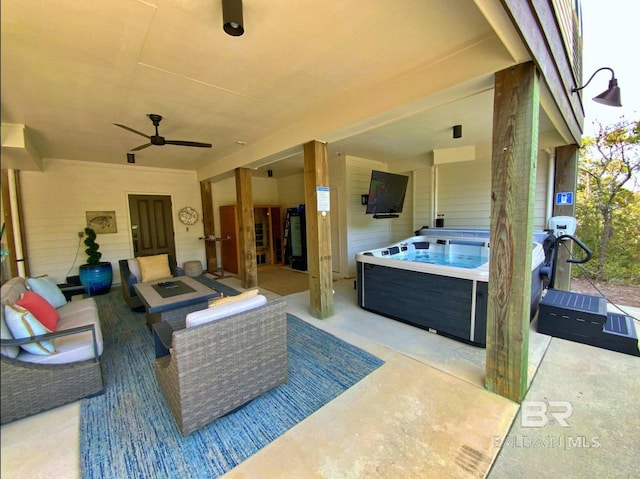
(229, 238)
(151, 225)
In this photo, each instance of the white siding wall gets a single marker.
(422, 198)
(464, 192)
(223, 193)
(291, 191)
(539, 211)
(363, 231)
(55, 202)
(402, 227)
(338, 216)
(264, 190)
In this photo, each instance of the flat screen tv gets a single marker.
(386, 194)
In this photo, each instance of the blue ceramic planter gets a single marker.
(96, 278)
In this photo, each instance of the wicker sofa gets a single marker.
(32, 383)
(222, 363)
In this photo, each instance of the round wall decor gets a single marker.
(188, 216)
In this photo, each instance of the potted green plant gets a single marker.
(96, 276)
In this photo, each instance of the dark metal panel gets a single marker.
(482, 299)
(425, 300)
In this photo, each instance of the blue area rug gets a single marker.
(130, 432)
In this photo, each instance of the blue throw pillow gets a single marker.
(9, 351)
(48, 289)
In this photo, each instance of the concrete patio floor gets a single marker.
(424, 413)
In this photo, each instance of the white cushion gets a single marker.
(72, 348)
(86, 305)
(134, 268)
(218, 312)
(23, 324)
(48, 289)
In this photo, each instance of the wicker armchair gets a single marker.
(127, 280)
(217, 367)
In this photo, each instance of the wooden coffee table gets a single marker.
(171, 299)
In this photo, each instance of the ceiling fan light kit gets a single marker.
(158, 140)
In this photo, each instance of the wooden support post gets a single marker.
(513, 171)
(17, 263)
(209, 228)
(10, 267)
(316, 174)
(247, 267)
(566, 179)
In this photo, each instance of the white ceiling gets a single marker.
(384, 80)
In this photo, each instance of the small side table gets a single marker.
(71, 290)
(192, 268)
(219, 272)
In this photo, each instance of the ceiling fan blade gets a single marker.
(132, 130)
(138, 148)
(187, 143)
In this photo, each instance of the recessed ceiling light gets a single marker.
(240, 142)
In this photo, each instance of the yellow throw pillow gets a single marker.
(154, 267)
(250, 293)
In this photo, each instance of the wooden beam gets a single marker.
(8, 241)
(316, 174)
(23, 229)
(513, 170)
(209, 228)
(18, 259)
(565, 180)
(559, 71)
(248, 267)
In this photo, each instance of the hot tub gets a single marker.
(438, 283)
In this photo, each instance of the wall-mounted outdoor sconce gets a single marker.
(611, 96)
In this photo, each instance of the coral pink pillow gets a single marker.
(40, 308)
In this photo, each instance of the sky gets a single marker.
(610, 39)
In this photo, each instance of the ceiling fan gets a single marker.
(159, 140)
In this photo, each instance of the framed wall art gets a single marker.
(102, 221)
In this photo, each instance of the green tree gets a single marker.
(608, 207)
